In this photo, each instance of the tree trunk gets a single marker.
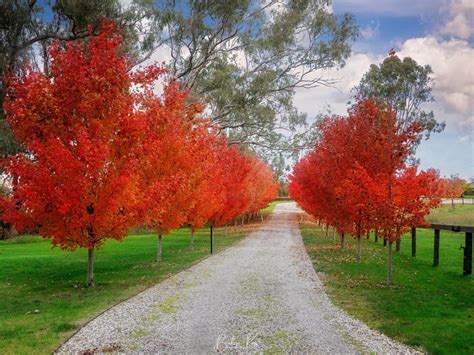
(334, 234)
(158, 249)
(358, 248)
(368, 234)
(327, 230)
(261, 216)
(342, 241)
(90, 267)
(225, 230)
(192, 239)
(452, 203)
(376, 235)
(389, 265)
(397, 245)
(384, 242)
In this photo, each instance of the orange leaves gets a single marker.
(105, 153)
(452, 187)
(356, 178)
(78, 181)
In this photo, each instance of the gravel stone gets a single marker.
(262, 294)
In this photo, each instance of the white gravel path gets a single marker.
(260, 295)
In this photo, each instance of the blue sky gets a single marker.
(435, 32)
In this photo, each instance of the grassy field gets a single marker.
(460, 215)
(42, 295)
(429, 307)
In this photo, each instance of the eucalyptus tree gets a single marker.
(246, 58)
(406, 86)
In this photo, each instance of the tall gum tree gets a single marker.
(405, 87)
(245, 59)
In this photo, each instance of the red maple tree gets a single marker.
(207, 191)
(77, 181)
(453, 188)
(167, 164)
(356, 178)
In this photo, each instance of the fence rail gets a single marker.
(458, 201)
(468, 230)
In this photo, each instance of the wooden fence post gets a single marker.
(413, 241)
(436, 248)
(211, 227)
(467, 269)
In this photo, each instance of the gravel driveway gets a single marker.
(260, 295)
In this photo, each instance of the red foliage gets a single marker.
(241, 184)
(356, 178)
(452, 187)
(76, 181)
(413, 198)
(166, 163)
(105, 153)
(207, 191)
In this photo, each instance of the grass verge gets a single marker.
(429, 307)
(459, 215)
(269, 209)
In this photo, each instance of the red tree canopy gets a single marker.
(356, 178)
(453, 187)
(76, 181)
(104, 152)
(207, 191)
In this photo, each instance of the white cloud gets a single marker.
(370, 31)
(125, 4)
(389, 7)
(461, 14)
(450, 60)
(314, 101)
(453, 73)
(458, 26)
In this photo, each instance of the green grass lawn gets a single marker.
(269, 209)
(42, 295)
(428, 307)
(459, 215)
